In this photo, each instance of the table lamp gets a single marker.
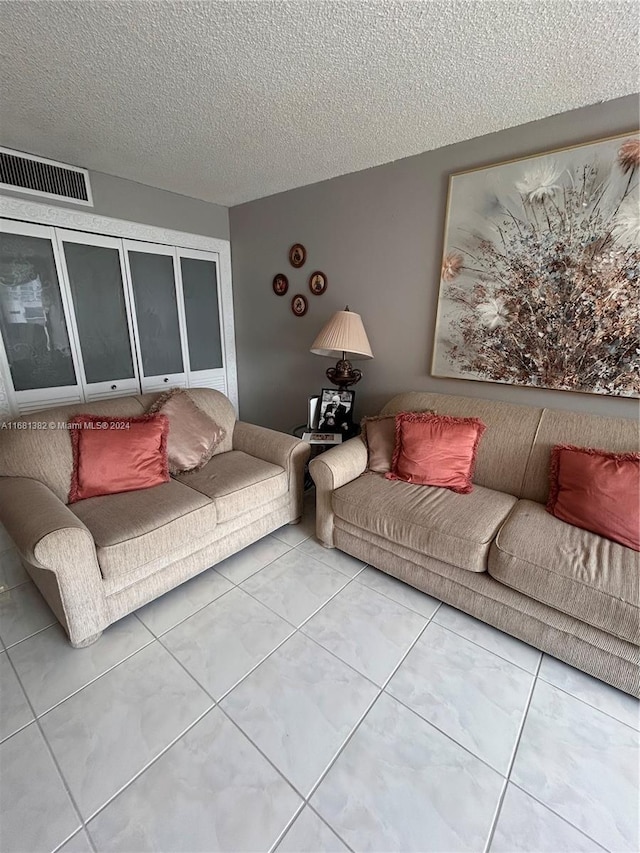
(343, 335)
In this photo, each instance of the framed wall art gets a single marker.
(280, 284)
(317, 283)
(297, 255)
(541, 271)
(299, 305)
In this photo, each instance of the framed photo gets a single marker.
(297, 255)
(299, 305)
(317, 283)
(313, 411)
(280, 284)
(336, 410)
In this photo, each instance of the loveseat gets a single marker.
(496, 553)
(98, 559)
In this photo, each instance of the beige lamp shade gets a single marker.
(344, 333)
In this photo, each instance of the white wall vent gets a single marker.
(25, 173)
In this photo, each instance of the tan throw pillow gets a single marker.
(379, 435)
(193, 435)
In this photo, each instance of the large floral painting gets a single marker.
(540, 280)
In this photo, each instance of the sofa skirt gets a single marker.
(589, 649)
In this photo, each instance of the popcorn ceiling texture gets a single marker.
(232, 101)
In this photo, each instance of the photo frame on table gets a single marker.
(336, 410)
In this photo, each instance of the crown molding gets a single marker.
(82, 220)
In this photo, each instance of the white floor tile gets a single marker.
(23, 612)
(109, 731)
(12, 572)
(366, 630)
(251, 559)
(488, 637)
(51, 669)
(298, 707)
(592, 691)
(583, 764)
(295, 585)
(525, 825)
(294, 534)
(333, 557)
(400, 785)
(471, 694)
(15, 712)
(223, 796)
(183, 601)
(36, 813)
(399, 591)
(310, 835)
(220, 644)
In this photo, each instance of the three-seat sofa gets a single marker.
(496, 553)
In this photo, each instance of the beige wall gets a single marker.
(377, 234)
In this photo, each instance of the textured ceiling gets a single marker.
(231, 101)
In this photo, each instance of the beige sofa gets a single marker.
(496, 553)
(98, 559)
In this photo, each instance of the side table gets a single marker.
(317, 449)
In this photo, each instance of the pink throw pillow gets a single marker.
(597, 491)
(117, 454)
(436, 450)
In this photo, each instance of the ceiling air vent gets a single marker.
(25, 173)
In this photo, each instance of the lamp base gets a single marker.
(343, 374)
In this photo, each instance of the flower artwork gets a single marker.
(540, 279)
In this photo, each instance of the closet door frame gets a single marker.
(214, 377)
(29, 211)
(167, 380)
(23, 402)
(109, 387)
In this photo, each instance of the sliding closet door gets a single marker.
(37, 357)
(94, 270)
(199, 280)
(157, 314)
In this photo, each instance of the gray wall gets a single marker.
(377, 234)
(122, 199)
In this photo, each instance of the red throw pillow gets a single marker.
(117, 454)
(436, 450)
(598, 491)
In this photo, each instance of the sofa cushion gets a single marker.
(237, 482)
(455, 528)
(145, 528)
(575, 571)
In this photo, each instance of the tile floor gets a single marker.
(293, 699)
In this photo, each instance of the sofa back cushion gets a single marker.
(503, 452)
(44, 454)
(617, 435)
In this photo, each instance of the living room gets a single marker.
(403, 637)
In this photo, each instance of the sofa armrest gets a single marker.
(279, 449)
(59, 552)
(335, 468)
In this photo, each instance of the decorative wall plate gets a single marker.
(280, 284)
(317, 283)
(299, 305)
(297, 255)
